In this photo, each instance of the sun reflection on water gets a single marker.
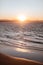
(22, 50)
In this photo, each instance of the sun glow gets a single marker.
(21, 18)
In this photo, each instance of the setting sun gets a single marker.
(21, 18)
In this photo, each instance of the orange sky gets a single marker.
(31, 9)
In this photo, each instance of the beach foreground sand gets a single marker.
(9, 60)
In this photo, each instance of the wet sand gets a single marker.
(9, 60)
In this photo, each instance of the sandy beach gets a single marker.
(9, 60)
(29, 54)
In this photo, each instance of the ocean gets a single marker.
(28, 36)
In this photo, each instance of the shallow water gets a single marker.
(22, 53)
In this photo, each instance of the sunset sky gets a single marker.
(32, 9)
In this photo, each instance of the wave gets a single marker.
(11, 35)
(22, 41)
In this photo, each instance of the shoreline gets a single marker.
(34, 55)
(9, 60)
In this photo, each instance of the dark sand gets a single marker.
(9, 60)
